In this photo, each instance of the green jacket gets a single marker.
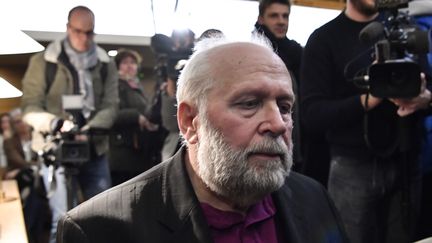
(40, 105)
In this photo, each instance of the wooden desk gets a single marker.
(12, 226)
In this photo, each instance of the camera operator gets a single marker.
(375, 188)
(83, 69)
(171, 55)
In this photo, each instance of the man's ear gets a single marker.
(260, 20)
(187, 118)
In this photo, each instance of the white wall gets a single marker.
(135, 18)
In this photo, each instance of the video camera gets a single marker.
(171, 51)
(397, 42)
(62, 148)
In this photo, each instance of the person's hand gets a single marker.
(144, 123)
(372, 101)
(409, 106)
(163, 86)
(81, 137)
(67, 126)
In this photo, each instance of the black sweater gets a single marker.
(331, 103)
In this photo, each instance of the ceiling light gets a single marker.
(7, 90)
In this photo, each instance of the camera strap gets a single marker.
(383, 151)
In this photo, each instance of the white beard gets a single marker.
(228, 173)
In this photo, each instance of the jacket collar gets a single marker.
(182, 212)
(286, 214)
(54, 49)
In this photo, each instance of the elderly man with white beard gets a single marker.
(231, 181)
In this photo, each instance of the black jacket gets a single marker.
(132, 149)
(160, 206)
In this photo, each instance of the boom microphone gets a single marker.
(373, 32)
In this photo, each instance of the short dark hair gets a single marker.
(79, 8)
(264, 4)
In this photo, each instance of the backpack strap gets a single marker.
(104, 71)
(51, 70)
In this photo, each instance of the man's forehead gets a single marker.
(244, 63)
(241, 53)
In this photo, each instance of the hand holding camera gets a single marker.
(409, 105)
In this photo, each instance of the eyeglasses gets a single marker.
(77, 31)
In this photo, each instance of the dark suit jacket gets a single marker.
(161, 206)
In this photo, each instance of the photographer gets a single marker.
(374, 182)
(171, 53)
(76, 66)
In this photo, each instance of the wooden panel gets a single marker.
(331, 4)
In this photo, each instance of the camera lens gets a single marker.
(73, 153)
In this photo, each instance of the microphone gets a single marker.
(372, 33)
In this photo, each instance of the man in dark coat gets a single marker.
(231, 181)
(311, 155)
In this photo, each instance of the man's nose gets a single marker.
(274, 122)
(281, 19)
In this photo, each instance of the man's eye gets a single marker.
(250, 104)
(285, 108)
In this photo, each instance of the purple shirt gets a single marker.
(257, 226)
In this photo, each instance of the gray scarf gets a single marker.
(82, 62)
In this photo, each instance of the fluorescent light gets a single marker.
(112, 53)
(7, 90)
(14, 41)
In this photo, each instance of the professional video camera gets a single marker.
(61, 147)
(398, 43)
(170, 51)
(65, 150)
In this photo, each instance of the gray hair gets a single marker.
(198, 78)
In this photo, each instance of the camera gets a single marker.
(398, 43)
(62, 148)
(71, 152)
(171, 52)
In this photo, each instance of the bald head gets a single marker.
(218, 61)
(234, 60)
(80, 28)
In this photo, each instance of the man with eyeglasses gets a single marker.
(84, 73)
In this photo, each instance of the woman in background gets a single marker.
(133, 138)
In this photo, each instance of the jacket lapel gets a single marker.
(182, 212)
(288, 218)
